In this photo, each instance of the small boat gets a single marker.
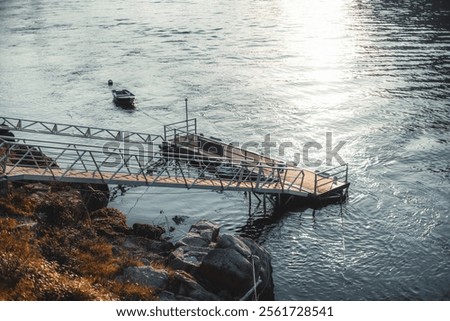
(124, 98)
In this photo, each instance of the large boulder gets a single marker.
(227, 269)
(225, 265)
(236, 264)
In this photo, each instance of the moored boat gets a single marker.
(124, 98)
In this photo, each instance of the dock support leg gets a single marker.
(264, 204)
(3, 187)
(249, 204)
(257, 197)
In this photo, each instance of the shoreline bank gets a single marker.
(60, 242)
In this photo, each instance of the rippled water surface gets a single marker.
(375, 74)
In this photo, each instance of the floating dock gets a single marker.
(180, 158)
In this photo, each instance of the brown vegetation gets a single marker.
(50, 250)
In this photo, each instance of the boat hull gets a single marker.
(124, 99)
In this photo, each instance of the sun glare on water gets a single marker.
(322, 47)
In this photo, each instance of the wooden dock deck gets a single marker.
(293, 183)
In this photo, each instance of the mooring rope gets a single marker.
(255, 283)
(254, 278)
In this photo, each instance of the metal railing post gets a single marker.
(315, 183)
(187, 119)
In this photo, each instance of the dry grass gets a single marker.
(16, 252)
(26, 275)
(25, 204)
(51, 262)
(15, 204)
(96, 260)
(132, 292)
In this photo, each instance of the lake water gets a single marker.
(375, 74)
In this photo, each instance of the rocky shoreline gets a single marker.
(61, 242)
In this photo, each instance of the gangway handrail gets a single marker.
(51, 128)
(50, 143)
(329, 171)
(331, 177)
(177, 126)
(80, 148)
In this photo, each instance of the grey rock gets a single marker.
(228, 269)
(188, 287)
(263, 267)
(148, 231)
(224, 266)
(187, 258)
(207, 230)
(169, 296)
(193, 239)
(200, 234)
(147, 276)
(230, 265)
(234, 242)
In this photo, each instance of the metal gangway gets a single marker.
(180, 158)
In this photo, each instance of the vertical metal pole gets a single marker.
(3, 186)
(264, 204)
(187, 127)
(3, 180)
(249, 203)
(4, 160)
(315, 183)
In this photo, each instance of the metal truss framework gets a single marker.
(129, 158)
